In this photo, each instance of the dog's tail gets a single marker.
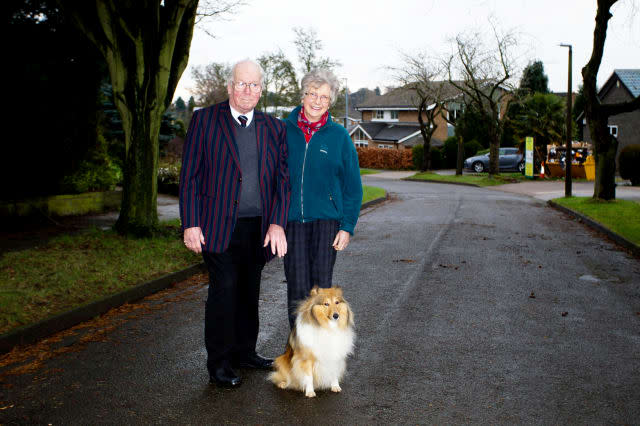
(282, 366)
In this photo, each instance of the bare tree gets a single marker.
(484, 79)
(280, 85)
(308, 45)
(605, 146)
(146, 46)
(210, 83)
(420, 75)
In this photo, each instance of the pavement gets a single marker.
(549, 189)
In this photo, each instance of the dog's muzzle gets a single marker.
(336, 315)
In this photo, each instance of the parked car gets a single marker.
(508, 159)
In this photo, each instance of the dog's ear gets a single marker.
(338, 290)
(350, 312)
(314, 291)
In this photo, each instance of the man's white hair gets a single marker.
(244, 61)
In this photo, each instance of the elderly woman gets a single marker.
(326, 190)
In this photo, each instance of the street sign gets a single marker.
(528, 157)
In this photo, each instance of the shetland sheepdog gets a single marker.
(316, 354)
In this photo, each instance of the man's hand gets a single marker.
(342, 240)
(275, 236)
(193, 239)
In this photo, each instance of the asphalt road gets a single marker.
(471, 305)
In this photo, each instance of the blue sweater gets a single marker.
(324, 175)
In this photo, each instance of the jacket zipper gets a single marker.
(304, 161)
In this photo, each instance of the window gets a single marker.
(379, 114)
(454, 112)
(360, 139)
(613, 130)
(394, 115)
(384, 146)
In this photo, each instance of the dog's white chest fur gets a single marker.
(330, 346)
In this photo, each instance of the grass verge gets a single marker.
(620, 216)
(371, 193)
(72, 270)
(482, 179)
(368, 171)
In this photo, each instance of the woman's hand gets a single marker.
(342, 240)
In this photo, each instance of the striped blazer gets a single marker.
(211, 178)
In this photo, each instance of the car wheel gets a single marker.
(521, 167)
(478, 167)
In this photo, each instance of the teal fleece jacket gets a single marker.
(324, 175)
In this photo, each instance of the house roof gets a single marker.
(417, 140)
(631, 79)
(396, 132)
(369, 128)
(406, 133)
(402, 97)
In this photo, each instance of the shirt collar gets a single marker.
(235, 114)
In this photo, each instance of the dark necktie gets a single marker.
(243, 120)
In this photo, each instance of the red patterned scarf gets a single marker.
(309, 128)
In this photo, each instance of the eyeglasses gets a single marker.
(314, 96)
(240, 85)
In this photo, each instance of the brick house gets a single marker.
(391, 121)
(622, 86)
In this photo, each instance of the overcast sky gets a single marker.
(366, 36)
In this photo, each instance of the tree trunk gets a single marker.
(426, 137)
(138, 212)
(605, 157)
(603, 147)
(494, 149)
(460, 158)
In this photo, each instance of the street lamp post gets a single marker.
(568, 158)
(346, 104)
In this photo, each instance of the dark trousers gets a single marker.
(309, 260)
(231, 320)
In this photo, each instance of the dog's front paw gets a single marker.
(336, 388)
(309, 393)
(282, 385)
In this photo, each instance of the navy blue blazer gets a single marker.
(211, 178)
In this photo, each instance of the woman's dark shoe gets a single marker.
(225, 377)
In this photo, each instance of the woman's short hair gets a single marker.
(317, 78)
(232, 70)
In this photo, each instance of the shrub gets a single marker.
(436, 158)
(389, 159)
(450, 152)
(96, 173)
(416, 156)
(169, 178)
(629, 163)
(471, 148)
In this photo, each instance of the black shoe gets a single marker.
(254, 361)
(225, 377)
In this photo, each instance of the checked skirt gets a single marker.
(309, 260)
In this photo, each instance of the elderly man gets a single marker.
(234, 199)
